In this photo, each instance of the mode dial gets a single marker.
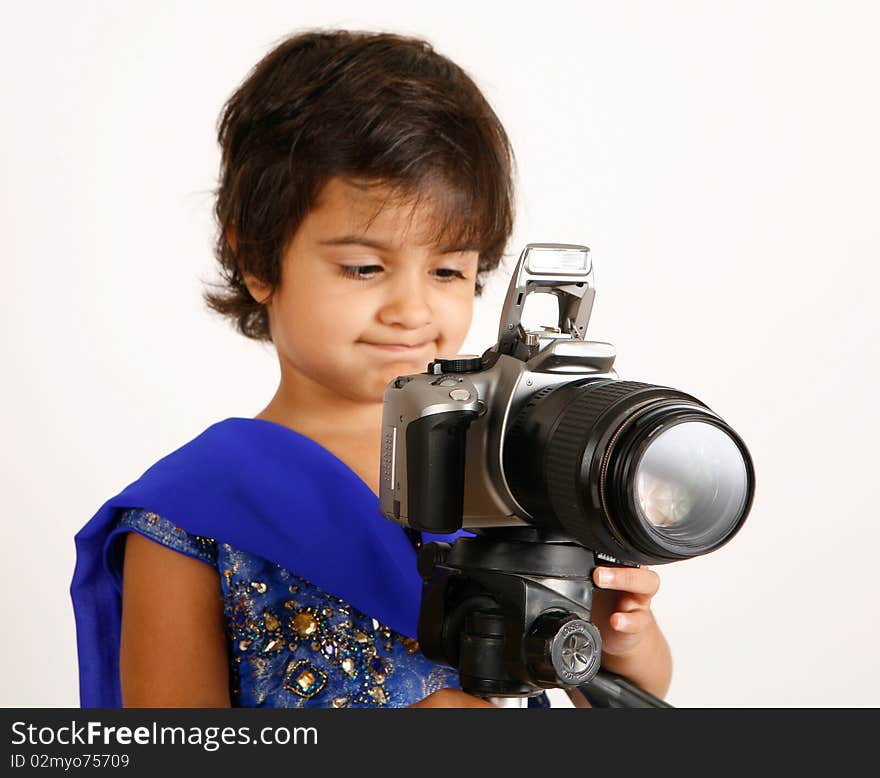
(458, 365)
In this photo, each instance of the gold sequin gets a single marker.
(259, 586)
(340, 702)
(271, 622)
(304, 679)
(378, 694)
(304, 623)
(410, 645)
(348, 665)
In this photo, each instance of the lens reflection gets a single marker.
(662, 503)
(691, 481)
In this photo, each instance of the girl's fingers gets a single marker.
(632, 622)
(638, 580)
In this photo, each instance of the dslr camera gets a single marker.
(552, 465)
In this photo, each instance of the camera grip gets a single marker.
(435, 458)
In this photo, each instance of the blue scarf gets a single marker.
(264, 489)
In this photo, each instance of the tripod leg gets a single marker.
(608, 690)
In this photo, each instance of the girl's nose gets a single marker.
(407, 304)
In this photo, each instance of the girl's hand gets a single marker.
(452, 698)
(622, 607)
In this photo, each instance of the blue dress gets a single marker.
(285, 523)
(293, 645)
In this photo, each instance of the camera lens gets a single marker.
(690, 484)
(642, 473)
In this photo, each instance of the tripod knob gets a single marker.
(563, 650)
(431, 555)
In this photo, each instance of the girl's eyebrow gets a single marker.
(359, 240)
(356, 240)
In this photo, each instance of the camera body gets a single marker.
(427, 417)
(540, 432)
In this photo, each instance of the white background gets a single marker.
(720, 159)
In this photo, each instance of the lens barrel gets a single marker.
(646, 474)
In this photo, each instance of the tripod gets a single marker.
(510, 609)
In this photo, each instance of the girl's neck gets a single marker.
(312, 410)
(350, 431)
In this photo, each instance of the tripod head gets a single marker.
(510, 609)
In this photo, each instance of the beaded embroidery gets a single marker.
(291, 644)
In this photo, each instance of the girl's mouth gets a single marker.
(396, 348)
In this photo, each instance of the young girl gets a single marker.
(365, 187)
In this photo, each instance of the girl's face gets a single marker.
(361, 302)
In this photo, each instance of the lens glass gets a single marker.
(691, 483)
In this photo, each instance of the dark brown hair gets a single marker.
(375, 107)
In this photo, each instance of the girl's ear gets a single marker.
(260, 291)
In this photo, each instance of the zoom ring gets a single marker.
(565, 449)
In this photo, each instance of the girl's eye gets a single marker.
(366, 272)
(453, 273)
(355, 271)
